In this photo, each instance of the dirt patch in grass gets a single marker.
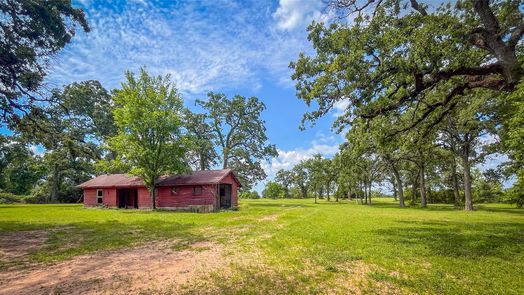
(358, 277)
(15, 246)
(249, 274)
(269, 218)
(151, 268)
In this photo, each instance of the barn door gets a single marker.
(225, 195)
(122, 197)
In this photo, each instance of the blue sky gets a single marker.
(234, 47)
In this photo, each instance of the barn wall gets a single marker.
(89, 197)
(110, 199)
(185, 198)
(144, 198)
(234, 189)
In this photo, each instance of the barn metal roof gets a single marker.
(125, 180)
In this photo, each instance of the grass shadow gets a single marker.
(279, 205)
(459, 239)
(518, 211)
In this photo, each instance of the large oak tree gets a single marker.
(31, 32)
(240, 135)
(396, 53)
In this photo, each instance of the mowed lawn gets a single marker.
(300, 247)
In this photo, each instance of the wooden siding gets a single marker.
(109, 198)
(234, 189)
(184, 196)
(144, 198)
(90, 197)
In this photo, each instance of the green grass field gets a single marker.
(303, 247)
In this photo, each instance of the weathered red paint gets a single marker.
(183, 198)
(230, 179)
(109, 198)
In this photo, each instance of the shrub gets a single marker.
(515, 195)
(273, 190)
(9, 198)
(249, 195)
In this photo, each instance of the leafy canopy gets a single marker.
(240, 135)
(32, 32)
(148, 115)
(397, 58)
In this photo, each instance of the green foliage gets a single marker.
(400, 57)
(20, 169)
(32, 33)
(274, 190)
(240, 135)
(202, 154)
(70, 132)
(149, 141)
(285, 178)
(9, 198)
(249, 195)
(422, 85)
(512, 137)
(515, 195)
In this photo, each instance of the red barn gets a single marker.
(201, 191)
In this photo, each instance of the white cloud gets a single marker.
(293, 14)
(326, 145)
(205, 46)
(340, 107)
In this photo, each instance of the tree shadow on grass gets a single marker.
(518, 211)
(459, 239)
(279, 205)
(448, 207)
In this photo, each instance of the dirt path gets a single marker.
(152, 268)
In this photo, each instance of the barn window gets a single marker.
(174, 190)
(197, 190)
(99, 196)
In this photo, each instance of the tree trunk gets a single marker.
(467, 181)
(202, 163)
(423, 200)
(365, 194)
(53, 194)
(400, 189)
(153, 193)
(398, 181)
(456, 193)
(225, 158)
(369, 193)
(414, 191)
(394, 190)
